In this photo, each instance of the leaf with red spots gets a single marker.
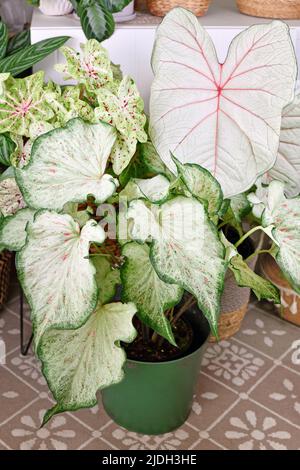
(23, 103)
(225, 117)
(56, 275)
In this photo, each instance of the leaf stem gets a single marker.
(248, 234)
(256, 253)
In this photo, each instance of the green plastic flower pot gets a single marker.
(156, 397)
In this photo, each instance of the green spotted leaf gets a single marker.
(150, 294)
(78, 363)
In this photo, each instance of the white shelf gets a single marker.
(221, 14)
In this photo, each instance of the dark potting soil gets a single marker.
(149, 351)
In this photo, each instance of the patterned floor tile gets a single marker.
(251, 427)
(28, 368)
(182, 438)
(281, 394)
(14, 395)
(267, 333)
(95, 418)
(210, 401)
(61, 433)
(292, 358)
(4, 446)
(207, 444)
(10, 330)
(234, 364)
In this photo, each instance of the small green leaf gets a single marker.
(245, 277)
(97, 22)
(152, 161)
(201, 185)
(3, 39)
(107, 279)
(30, 55)
(77, 363)
(143, 287)
(12, 229)
(7, 147)
(116, 5)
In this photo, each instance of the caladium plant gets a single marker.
(116, 238)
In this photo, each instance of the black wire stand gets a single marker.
(24, 346)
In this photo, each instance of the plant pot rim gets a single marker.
(178, 359)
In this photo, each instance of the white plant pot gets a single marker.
(126, 14)
(56, 7)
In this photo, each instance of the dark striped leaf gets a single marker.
(96, 21)
(30, 55)
(3, 39)
(7, 146)
(18, 42)
(116, 5)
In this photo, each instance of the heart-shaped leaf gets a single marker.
(282, 218)
(185, 248)
(56, 276)
(67, 165)
(78, 363)
(107, 279)
(197, 103)
(143, 287)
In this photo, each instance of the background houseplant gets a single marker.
(96, 16)
(173, 253)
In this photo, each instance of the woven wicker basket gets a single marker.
(162, 7)
(286, 9)
(290, 300)
(5, 268)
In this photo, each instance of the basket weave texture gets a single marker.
(5, 269)
(162, 7)
(285, 9)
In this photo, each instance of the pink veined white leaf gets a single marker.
(225, 117)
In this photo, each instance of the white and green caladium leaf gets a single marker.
(202, 185)
(11, 199)
(67, 165)
(245, 277)
(3, 78)
(143, 287)
(154, 189)
(185, 248)
(67, 104)
(92, 68)
(239, 206)
(287, 165)
(283, 216)
(78, 363)
(107, 279)
(22, 103)
(13, 229)
(56, 276)
(152, 160)
(123, 110)
(196, 103)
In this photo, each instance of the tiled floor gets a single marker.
(248, 396)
